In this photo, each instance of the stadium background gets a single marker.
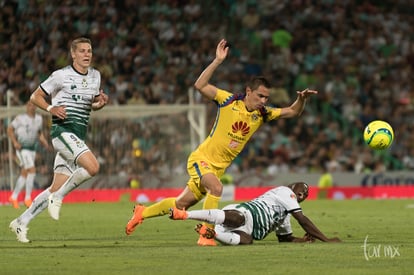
(358, 54)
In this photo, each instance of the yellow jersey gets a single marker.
(233, 128)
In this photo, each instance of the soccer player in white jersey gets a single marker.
(74, 91)
(24, 131)
(254, 220)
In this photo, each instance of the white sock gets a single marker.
(226, 237)
(19, 186)
(214, 216)
(78, 177)
(39, 204)
(29, 185)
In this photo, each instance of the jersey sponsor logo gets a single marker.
(240, 126)
(81, 97)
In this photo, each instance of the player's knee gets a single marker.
(93, 169)
(233, 218)
(217, 190)
(211, 183)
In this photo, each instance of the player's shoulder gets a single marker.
(282, 188)
(223, 95)
(93, 71)
(283, 191)
(38, 117)
(62, 71)
(65, 69)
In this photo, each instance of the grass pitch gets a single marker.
(89, 239)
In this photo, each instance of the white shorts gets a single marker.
(248, 225)
(69, 148)
(285, 228)
(26, 158)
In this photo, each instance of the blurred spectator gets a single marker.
(359, 55)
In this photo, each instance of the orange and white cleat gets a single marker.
(178, 214)
(206, 242)
(14, 202)
(135, 220)
(207, 235)
(28, 202)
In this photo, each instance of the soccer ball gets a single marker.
(378, 135)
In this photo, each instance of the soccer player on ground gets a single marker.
(24, 131)
(254, 220)
(74, 91)
(238, 118)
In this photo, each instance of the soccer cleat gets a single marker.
(135, 220)
(20, 230)
(54, 207)
(28, 202)
(205, 231)
(14, 202)
(178, 214)
(206, 242)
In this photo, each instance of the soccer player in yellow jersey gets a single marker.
(239, 116)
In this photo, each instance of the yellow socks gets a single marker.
(211, 202)
(163, 207)
(159, 209)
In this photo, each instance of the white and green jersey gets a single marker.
(270, 210)
(27, 129)
(76, 91)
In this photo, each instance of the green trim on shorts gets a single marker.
(64, 142)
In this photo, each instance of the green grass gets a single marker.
(90, 239)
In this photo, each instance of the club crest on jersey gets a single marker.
(240, 126)
(255, 117)
(293, 196)
(204, 164)
(233, 144)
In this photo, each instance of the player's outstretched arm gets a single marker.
(311, 229)
(202, 83)
(297, 107)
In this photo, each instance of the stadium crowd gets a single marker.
(359, 55)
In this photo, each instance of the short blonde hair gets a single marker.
(75, 42)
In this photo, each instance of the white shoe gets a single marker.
(20, 230)
(54, 206)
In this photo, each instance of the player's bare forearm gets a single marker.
(297, 107)
(100, 101)
(44, 142)
(309, 227)
(38, 99)
(292, 239)
(12, 137)
(202, 83)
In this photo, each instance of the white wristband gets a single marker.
(49, 108)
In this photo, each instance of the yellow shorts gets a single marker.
(197, 166)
